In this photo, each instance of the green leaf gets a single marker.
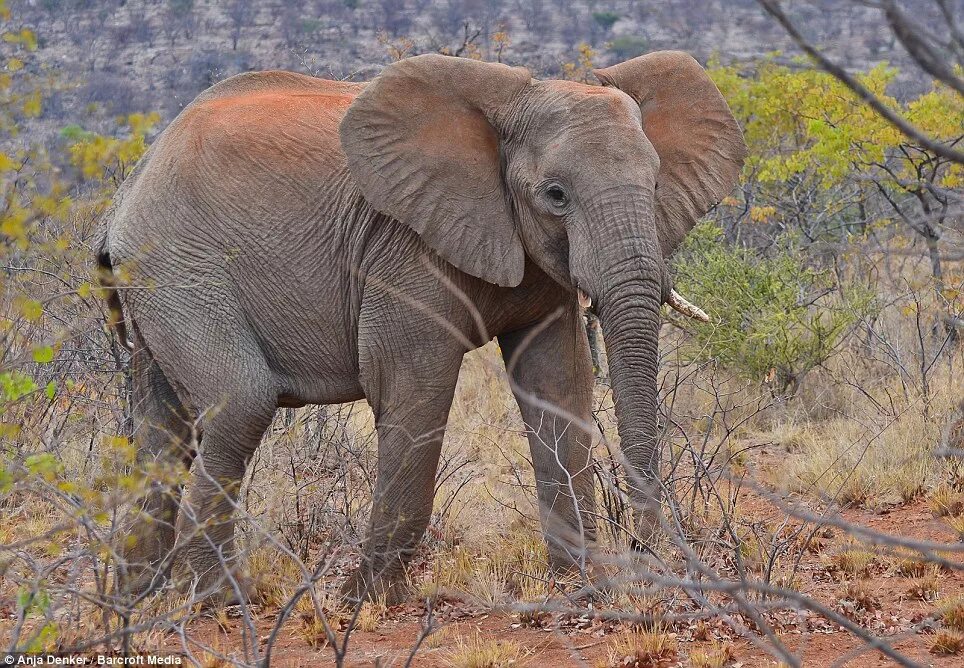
(31, 309)
(44, 465)
(14, 385)
(24, 597)
(6, 481)
(43, 354)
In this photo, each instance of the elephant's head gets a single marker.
(597, 185)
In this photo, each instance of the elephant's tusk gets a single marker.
(681, 304)
(585, 301)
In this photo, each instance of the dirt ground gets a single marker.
(902, 616)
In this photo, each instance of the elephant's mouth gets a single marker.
(585, 301)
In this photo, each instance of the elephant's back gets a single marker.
(250, 154)
(277, 80)
(265, 125)
(240, 218)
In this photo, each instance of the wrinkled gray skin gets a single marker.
(289, 240)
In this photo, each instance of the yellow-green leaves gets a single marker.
(805, 122)
(24, 37)
(772, 328)
(32, 104)
(14, 385)
(94, 154)
(31, 309)
(581, 68)
(44, 465)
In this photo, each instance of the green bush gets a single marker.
(773, 318)
(606, 20)
(628, 46)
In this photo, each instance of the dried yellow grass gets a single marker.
(852, 560)
(951, 613)
(715, 655)
(947, 643)
(644, 649)
(475, 651)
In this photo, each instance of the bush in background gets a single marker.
(774, 318)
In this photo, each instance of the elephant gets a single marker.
(289, 240)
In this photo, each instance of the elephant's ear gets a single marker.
(700, 145)
(422, 147)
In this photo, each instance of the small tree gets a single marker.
(605, 20)
(809, 135)
(241, 13)
(628, 46)
(179, 17)
(602, 23)
(774, 321)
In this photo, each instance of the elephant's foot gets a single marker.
(214, 587)
(391, 589)
(144, 559)
(138, 581)
(578, 576)
(648, 520)
(568, 561)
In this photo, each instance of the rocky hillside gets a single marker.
(115, 57)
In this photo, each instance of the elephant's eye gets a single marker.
(557, 196)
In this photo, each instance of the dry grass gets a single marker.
(274, 576)
(858, 596)
(647, 610)
(492, 572)
(753, 551)
(443, 637)
(956, 525)
(475, 651)
(912, 567)
(840, 460)
(951, 613)
(715, 655)
(928, 587)
(852, 560)
(371, 615)
(945, 501)
(642, 649)
(314, 633)
(947, 643)
(869, 448)
(817, 541)
(217, 656)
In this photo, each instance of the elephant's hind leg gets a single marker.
(165, 438)
(215, 362)
(207, 564)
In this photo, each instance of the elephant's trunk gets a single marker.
(630, 319)
(621, 268)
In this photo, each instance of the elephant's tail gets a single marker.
(107, 281)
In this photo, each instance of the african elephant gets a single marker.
(290, 241)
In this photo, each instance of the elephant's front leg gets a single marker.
(552, 381)
(411, 410)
